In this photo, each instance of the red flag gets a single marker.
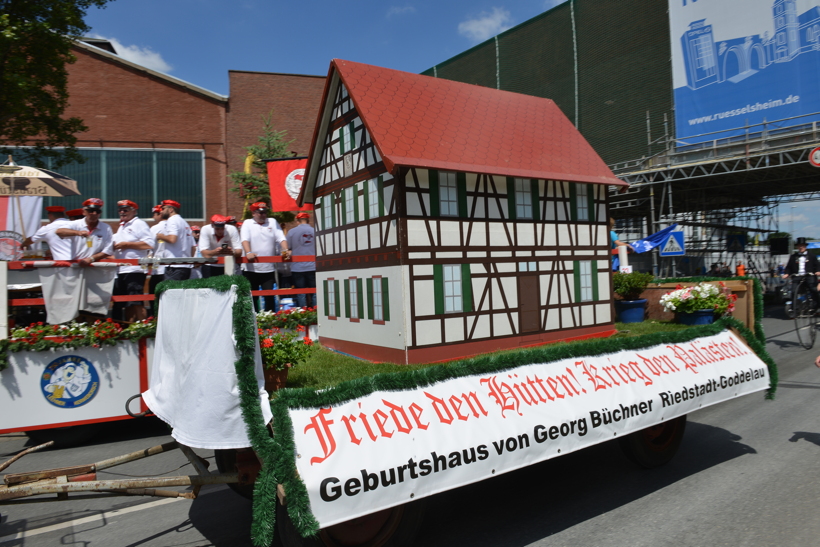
(285, 181)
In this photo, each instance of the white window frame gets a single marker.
(582, 202)
(350, 211)
(373, 198)
(448, 194)
(327, 218)
(378, 305)
(523, 198)
(585, 274)
(453, 297)
(353, 295)
(331, 298)
(347, 141)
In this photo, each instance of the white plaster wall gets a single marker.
(553, 319)
(603, 285)
(392, 236)
(424, 178)
(428, 332)
(501, 324)
(498, 236)
(389, 335)
(450, 233)
(510, 289)
(424, 301)
(417, 234)
(454, 329)
(584, 234)
(604, 312)
(479, 209)
(562, 235)
(413, 204)
(482, 326)
(361, 232)
(550, 238)
(375, 235)
(587, 315)
(566, 318)
(526, 234)
(478, 234)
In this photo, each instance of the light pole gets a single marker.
(792, 222)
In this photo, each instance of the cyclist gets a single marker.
(801, 263)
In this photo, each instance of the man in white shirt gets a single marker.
(218, 239)
(157, 272)
(60, 248)
(262, 236)
(133, 240)
(91, 240)
(179, 243)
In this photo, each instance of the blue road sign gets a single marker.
(673, 245)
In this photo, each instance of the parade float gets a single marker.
(461, 228)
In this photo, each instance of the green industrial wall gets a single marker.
(623, 69)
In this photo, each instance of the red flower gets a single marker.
(267, 343)
(308, 341)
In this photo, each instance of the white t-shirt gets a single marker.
(301, 243)
(159, 247)
(265, 240)
(61, 249)
(176, 226)
(134, 230)
(209, 242)
(101, 237)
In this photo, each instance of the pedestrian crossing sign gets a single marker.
(673, 246)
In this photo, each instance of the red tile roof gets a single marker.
(421, 121)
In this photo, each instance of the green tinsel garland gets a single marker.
(298, 503)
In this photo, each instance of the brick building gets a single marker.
(152, 136)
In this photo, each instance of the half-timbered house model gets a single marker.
(453, 219)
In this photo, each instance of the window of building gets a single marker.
(347, 138)
(528, 266)
(374, 197)
(354, 298)
(143, 176)
(351, 205)
(452, 285)
(582, 202)
(586, 281)
(327, 210)
(522, 199)
(448, 195)
(331, 293)
(378, 299)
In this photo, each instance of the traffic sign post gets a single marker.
(814, 157)
(673, 245)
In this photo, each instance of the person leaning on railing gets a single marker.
(92, 240)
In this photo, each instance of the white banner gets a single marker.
(389, 448)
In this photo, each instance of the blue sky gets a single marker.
(200, 40)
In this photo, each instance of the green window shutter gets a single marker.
(381, 195)
(511, 198)
(466, 288)
(461, 190)
(326, 310)
(332, 206)
(536, 203)
(341, 140)
(435, 199)
(360, 298)
(438, 287)
(385, 300)
(366, 199)
(338, 299)
(573, 202)
(347, 298)
(352, 136)
(343, 207)
(576, 269)
(370, 298)
(355, 203)
(591, 203)
(594, 268)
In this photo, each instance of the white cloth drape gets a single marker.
(67, 291)
(193, 385)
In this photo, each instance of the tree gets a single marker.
(35, 47)
(253, 183)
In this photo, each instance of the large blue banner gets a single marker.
(743, 62)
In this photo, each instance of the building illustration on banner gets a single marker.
(771, 69)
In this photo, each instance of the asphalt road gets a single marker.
(746, 475)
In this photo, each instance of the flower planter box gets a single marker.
(743, 288)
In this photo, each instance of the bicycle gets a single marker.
(804, 309)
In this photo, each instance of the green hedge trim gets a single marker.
(298, 503)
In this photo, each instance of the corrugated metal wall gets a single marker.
(624, 69)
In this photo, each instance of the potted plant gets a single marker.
(700, 304)
(629, 286)
(282, 351)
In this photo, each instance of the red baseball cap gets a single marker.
(195, 228)
(259, 206)
(218, 219)
(157, 209)
(55, 209)
(172, 203)
(127, 203)
(303, 215)
(74, 213)
(93, 203)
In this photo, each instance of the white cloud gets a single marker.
(486, 25)
(549, 4)
(144, 56)
(396, 10)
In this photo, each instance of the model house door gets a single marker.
(529, 303)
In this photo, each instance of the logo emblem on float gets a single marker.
(70, 381)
